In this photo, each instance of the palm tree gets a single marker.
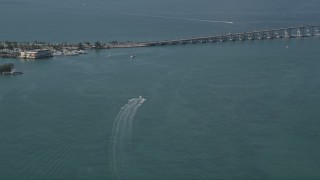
(6, 67)
(97, 44)
(80, 46)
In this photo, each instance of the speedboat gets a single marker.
(82, 52)
(71, 53)
(58, 53)
(132, 56)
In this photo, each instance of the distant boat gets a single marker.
(82, 52)
(132, 56)
(58, 53)
(222, 40)
(71, 53)
(8, 69)
(12, 72)
(268, 36)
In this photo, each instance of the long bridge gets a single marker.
(290, 32)
(279, 33)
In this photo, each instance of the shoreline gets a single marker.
(12, 49)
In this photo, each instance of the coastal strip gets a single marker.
(10, 49)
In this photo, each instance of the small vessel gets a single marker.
(71, 53)
(58, 53)
(82, 52)
(12, 72)
(268, 36)
(132, 56)
(276, 35)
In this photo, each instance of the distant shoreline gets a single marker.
(12, 49)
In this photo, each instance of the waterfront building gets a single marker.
(36, 54)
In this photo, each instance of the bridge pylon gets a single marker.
(286, 34)
(298, 32)
(316, 31)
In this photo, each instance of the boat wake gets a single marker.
(175, 18)
(121, 136)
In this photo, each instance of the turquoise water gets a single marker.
(242, 110)
(122, 20)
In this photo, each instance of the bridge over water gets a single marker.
(289, 32)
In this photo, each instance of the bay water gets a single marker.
(236, 110)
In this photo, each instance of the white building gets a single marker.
(36, 54)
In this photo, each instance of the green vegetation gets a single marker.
(12, 49)
(80, 46)
(6, 67)
(97, 45)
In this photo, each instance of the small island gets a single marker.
(8, 69)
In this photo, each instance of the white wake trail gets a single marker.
(163, 17)
(121, 134)
(175, 18)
